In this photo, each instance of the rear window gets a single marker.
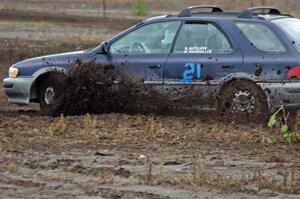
(261, 36)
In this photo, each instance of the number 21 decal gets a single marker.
(192, 71)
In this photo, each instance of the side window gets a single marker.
(201, 38)
(156, 38)
(261, 37)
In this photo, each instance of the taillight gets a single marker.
(294, 72)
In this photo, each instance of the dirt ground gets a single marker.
(128, 156)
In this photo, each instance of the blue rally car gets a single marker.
(246, 62)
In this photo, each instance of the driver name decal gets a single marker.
(196, 49)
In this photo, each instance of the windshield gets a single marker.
(291, 26)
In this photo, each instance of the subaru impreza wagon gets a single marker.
(237, 62)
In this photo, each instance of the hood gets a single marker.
(64, 60)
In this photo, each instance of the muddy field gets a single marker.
(128, 156)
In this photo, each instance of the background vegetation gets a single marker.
(130, 8)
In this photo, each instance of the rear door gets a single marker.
(201, 56)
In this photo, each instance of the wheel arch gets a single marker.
(241, 77)
(40, 76)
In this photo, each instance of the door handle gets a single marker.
(154, 66)
(226, 66)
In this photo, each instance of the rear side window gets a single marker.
(201, 38)
(261, 37)
(291, 26)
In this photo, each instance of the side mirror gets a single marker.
(104, 48)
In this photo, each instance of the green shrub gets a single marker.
(282, 122)
(140, 7)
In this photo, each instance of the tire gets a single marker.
(242, 98)
(50, 94)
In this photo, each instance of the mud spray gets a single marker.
(102, 88)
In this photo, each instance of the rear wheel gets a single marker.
(50, 92)
(243, 98)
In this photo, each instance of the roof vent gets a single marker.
(187, 12)
(249, 13)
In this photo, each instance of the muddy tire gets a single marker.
(50, 94)
(242, 98)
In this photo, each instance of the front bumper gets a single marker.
(278, 94)
(18, 89)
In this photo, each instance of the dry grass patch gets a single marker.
(203, 176)
(12, 167)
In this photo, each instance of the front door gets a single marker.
(143, 52)
(202, 55)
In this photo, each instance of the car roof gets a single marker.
(264, 13)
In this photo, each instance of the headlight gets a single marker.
(13, 72)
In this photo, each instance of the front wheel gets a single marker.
(243, 98)
(50, 92)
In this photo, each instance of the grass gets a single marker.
(2, 135)
(89, 125)
(12, 167)
(140, 7)
(22, 25)
(30, 34)
(149, 175)
(137, 130)
(57, 128)
(289, 183)
(203, 176)
(155, 134)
